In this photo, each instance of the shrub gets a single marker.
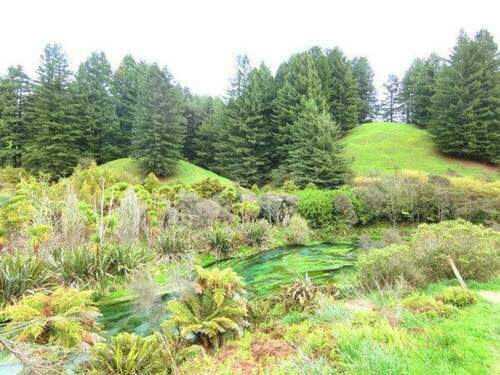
(208, 188)
(215, 308)
(427, 305)
(316, 206)
(81, 265)
(289, 186)
(277, 208)
(175, 242)
(247, 211)
(474, 249)
(457, 296)
(297, 231)
(123, 259)
(127, 354)
(151, 182)
(20, 273)
(66, 317)
(301, 294)
(220, 240)
(256, 233)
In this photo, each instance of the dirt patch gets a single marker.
(225, 353)
(245, 368)
(359, 305)
(492, 297)
(271, 348)
(485, 166)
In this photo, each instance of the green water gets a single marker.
(263, 273)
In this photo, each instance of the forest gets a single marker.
(303, 223)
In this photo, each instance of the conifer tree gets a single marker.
(343, 98)
(301, 83)
(315, 154)
(465, 108)
(196, 110)
(53, 146)
(207, 138)
(159, 124)
(125, 88)
(247, 137)
(390, 105)
(363, 74)
(97, 112)
(15, 89)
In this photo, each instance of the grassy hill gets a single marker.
(186, 173)
(388, 147)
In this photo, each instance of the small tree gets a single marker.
(390, 106)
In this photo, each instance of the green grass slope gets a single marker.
(186, 173)
(387, 147)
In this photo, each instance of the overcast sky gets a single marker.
(199, 40)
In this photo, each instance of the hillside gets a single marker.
(187, 173)
(388, 147)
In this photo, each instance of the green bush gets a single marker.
(123, 259)
(427, 305)
(316, 206)
(256, 233)
(127, 354)
(220, 240)
(176, 242)
(21, 273)
(297, 231)
(457, 296)
(474, 249)
(81, 265)
(247, 211)
(208, 188)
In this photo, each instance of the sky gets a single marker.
(199, 40)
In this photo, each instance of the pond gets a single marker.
(263, 272)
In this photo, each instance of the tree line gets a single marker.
(289, 122)
(457, 99)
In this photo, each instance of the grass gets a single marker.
(186, 173)
(388, 147)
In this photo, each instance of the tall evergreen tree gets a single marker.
(343, 98)
(301, 83)
(53, 146)
(363, 74)
(465, 108)
(418, 86)
(246, 141)
(159, 124)
(196, 110)
(97, 111)
(390, 105)
(207, 138)
(14, 93)
(315, 154)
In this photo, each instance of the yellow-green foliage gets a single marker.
(424, 304)
(247, 211)
(474, 249)
(66, 317)
(127, 354)
(457, 296)
(151, 182)
(207, 188)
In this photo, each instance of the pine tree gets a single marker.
(300, 84)
(159, 124)
(315, 154)
(197, 110)
(363, 74)
(14, 93)
(390, 105)
(465, 108)
(207, 138)
(53, 146)
(343, 98)
(247, 135)
(125, 88)
(98, 111)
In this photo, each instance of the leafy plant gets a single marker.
(175, 242)
(124, 259)
(127, 354)
(39, 234)
(301, 294)
(257, 233)
(247, 211)
(20, 273)
(207, 188)
(457, 296)
(215, 308)
(297, 231)
(220, 240)
(428, 305)
(66, 317)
